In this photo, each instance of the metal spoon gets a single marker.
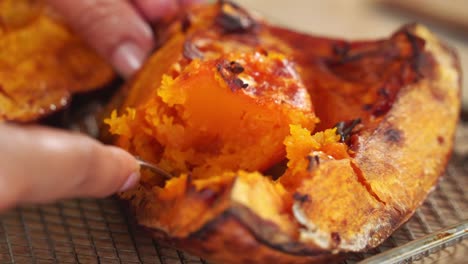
(148, 165)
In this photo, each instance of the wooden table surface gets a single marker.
(360, 19)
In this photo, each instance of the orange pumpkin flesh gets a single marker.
(208, 124)
(234, 98)
(42, 62)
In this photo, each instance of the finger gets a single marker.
(41, 165)
(154, 10)
(113, 27)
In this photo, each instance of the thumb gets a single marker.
(113, 27)
(42, 165)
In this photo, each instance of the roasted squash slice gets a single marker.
(42, 62)
(357, 133)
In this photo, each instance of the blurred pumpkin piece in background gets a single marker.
(42, 62)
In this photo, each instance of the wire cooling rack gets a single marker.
(98, 231)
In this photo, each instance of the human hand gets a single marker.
(118, 29)
(40, 165)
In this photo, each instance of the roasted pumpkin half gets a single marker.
(42, 62)
(285, 147)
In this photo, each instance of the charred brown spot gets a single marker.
(189, 186)
(186, 23)
(345, 128)
(277, 170)
(336, 238)
(427, 65)
(367, 107)
(302, 198)
(262, 51)
(384, 104)
(340, 49)
(239, 83)
(393, 136)
(191, 52)
(382, 108)
(233, 19)
(440, 140)
(417, 46)
(229, 72)
(235, 67)
(353, 56)
(314, 161)
(384, 92)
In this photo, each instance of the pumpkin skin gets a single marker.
(345, 188)
(42, 63)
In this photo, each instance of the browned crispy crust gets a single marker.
(42, 63)
(242, 245)
(406, 92)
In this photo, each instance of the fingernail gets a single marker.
(131, 182)
(128, 58)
